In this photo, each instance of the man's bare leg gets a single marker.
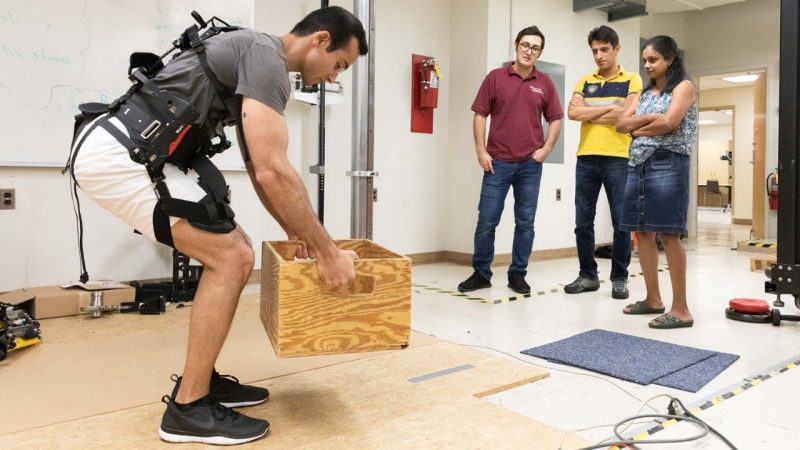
(227, 263)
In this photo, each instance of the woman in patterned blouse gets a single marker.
(663, 124)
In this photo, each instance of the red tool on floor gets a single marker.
(755, 311)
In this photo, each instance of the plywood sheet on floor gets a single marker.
(85, 367)
(366, 403)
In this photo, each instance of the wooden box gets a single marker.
(303, 317)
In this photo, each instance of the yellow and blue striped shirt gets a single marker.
(600, 139)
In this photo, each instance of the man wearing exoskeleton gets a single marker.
(144, 158)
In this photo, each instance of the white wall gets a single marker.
(709, 164)
(565, 33)
(742, 101)
(412, 166)
(736, 37)
(671, 24)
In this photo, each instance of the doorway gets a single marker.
(727, 156)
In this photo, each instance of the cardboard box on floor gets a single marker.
(54, 301)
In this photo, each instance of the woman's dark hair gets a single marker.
(339, 22)
(668, 48)
(604, 34)
(530, 31)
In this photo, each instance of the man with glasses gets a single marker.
(597, 101)
(516, 97)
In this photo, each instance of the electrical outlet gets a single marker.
(375, 194)
(8, 199)
(558, 194)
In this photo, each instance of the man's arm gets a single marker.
(268, 140)
(610, 118)
(479, 133)
(552, 136)
(579, 111)
(262, 196)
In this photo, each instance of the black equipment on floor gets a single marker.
(756, 311)
(151, 298)
(17, 329)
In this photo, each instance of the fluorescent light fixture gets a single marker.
(742, 78)
(706, 122)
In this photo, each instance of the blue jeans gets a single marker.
(591, 172)
(525, 177)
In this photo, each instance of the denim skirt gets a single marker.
(657, 194)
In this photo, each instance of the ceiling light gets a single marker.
(742, 78)
(706, 122)
(727, 112)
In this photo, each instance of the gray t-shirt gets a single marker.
(247, 62)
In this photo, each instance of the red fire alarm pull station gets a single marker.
(425, 77)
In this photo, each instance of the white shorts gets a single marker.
(106, 173)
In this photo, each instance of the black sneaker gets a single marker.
(207, 421)
(619, 289)
(582, 284)
(227, 390)
(516, 281)
(474, 282)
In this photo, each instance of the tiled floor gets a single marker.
(574, 399)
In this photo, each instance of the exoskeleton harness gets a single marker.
(161, 128)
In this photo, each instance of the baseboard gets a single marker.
(419, 259)
(742, 221)
(503, 259)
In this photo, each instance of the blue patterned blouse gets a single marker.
(679, 141)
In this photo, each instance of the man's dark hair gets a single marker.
(604, 34)
(530, 31)
(339, 22)
(676, 72)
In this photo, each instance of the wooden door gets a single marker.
(759, 152)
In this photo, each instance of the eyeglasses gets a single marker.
(533, 49)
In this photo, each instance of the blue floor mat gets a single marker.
(694, 377)
(637, 359)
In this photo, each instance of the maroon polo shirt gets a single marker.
(516, 106)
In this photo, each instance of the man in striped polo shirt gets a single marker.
(597, 101)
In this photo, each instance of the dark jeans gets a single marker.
(591, 172)
(525, 178)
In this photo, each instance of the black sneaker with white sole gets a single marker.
(227, 390)
(208, 422)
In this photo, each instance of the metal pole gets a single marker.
(788, 145)
(363, 123)
(321, 158)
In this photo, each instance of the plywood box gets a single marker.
(303, 317)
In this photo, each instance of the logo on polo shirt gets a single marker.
(592, 88)
(537, 90)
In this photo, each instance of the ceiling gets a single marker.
(671, 6)
(716, 81)
(719, 117)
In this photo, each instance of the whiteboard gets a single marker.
(55, 55)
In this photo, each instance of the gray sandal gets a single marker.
(669, 321)
(641, 307)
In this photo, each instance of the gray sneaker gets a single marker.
(619, 289)
(582, 284)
